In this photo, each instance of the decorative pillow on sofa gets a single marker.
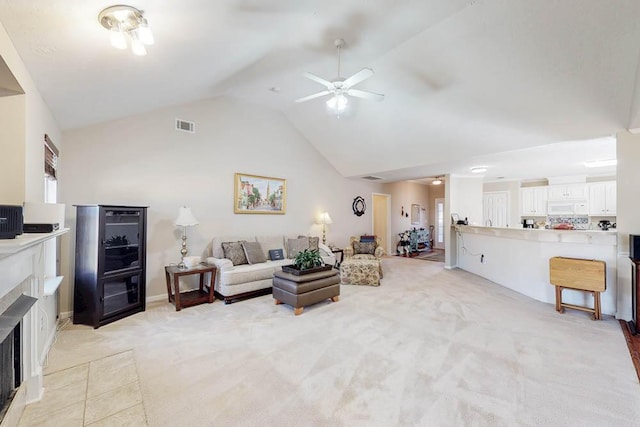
(253, 252)
(364, 248)
(367, 239)
(296, 245)
(233, 251)
(313, 242)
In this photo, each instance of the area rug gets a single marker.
(436, 255)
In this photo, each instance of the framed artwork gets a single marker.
(254, 194)
(415, 214)
(454, 218)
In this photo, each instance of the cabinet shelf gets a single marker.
(121, 246)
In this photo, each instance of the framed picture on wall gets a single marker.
(255, 194)
(415, 214)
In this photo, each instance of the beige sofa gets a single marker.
(236, 282)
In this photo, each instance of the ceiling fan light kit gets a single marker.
(341, 87)
(123, 21)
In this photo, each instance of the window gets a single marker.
(50, 164)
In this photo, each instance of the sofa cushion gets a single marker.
(251, 272)
(270, 242)
(233, 251)
(216, 244)
(364, 248)
(294, 246)
(313, 242)
(253, 252)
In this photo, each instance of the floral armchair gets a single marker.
(363, 250)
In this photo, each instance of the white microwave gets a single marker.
(567, 208)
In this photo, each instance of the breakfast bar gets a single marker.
(518, 259)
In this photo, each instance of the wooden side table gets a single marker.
(189, 298)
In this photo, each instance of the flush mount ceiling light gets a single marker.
(601, 163)
(478, 169)
(436, 181)
(127, 21)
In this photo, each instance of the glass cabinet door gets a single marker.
(121, 240)
(120, 294)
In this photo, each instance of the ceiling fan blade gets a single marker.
(361, 75)
(320, 80)
(366, 95)
(315, 95)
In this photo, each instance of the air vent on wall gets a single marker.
(372, 177)
(185, 126)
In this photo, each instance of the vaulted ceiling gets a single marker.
(463, 79)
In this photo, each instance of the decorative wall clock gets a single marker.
(359, 206)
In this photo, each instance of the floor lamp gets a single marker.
(185, 219)
(324, 219)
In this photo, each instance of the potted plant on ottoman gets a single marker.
(306, 262)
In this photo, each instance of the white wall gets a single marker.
(628, 213)
(463, 197)
(12, 160)
(142, 160)
(403, 195)
(36, 121)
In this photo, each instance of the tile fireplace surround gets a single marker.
(22, 272)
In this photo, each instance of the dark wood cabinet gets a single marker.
(110, 261)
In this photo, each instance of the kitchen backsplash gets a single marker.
(579, 222)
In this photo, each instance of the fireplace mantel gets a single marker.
(22, 271)
(24, 241)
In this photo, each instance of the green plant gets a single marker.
(308, 259)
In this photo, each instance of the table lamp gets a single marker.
(185, 219)
(324, 219)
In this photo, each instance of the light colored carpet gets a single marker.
(428, 347)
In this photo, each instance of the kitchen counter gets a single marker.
(518, 259)
(544, 235)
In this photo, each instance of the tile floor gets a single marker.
(104, 392)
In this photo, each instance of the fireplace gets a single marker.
(11, 350)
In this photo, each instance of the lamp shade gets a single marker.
(324, 218)
(185, 217)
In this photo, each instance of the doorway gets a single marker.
(495, 209)
(438, 238)
(381, 215)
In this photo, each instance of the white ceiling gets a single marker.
(463, 79)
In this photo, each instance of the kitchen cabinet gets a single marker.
(533, 201)
(568, 192)
(110, 263)
(602, 198)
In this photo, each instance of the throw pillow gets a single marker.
(294, 246)
(313, 242)
(253, 252)
(364, 248)
(233, 251)
(367, 239)
(276, 254)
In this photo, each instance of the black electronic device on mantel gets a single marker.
(10, 221)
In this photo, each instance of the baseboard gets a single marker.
(624, 315)
(65, 315)
(155, 298)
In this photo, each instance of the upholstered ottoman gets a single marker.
(361, 270)
(306, 289)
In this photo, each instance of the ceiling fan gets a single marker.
(340, 87)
